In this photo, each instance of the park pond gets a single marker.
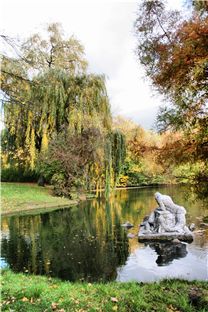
(88, 243)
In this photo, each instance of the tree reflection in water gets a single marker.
(72, 244)
(87, 242)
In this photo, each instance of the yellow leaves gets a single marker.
(19, 152)
(114, 300)
(30, 140)
(53, 286)
(123, 180)
(51, 121)
(12, 129)
(4, 159)
(28, 131)
(44, 143)
(32, 150)
(170, 308)
(25, 299)
(54, 306)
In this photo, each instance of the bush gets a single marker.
(59, 182)
(191, 172)
(47, 167)
(137, 178)
(68, 160)
(18, 175)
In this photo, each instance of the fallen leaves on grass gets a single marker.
(54, 305)
(170, 308)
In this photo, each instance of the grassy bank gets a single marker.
(26, 197)
(37, 293)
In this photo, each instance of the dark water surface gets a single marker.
(87, 242)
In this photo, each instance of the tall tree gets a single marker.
(50, 104)
(47, 90)
(173, 50)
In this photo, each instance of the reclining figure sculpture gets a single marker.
(168, 218)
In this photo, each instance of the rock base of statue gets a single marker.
(166, 223)
(146, 237)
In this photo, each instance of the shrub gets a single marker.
(14, 174)
(60, 187)
(69, 158)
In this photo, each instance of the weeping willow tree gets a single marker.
(25, 74)
(115, 153)
(58, 102)
(46, 88)
(118, 154)
(47, 91)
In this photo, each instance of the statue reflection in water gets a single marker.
(167, 252)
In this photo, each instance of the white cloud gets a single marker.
(106, 30)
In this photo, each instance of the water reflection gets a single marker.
(142, 266)
(167, 252)
(88, 243)
(66, 244)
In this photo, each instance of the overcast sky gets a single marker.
(105, 28)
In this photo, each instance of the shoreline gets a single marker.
(29, 198)
(39, 209)
(47, 206)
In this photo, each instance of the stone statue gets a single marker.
(168, 218)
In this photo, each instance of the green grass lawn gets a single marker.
(27, 293)
(17, 197)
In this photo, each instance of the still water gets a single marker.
(88, 243)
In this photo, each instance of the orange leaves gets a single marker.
(171, 50)
(190, 47)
